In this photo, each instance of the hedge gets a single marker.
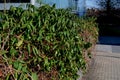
(44, 43)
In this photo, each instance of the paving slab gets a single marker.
(103, 48)
(106, 63)
(116, 49)
(105, 66)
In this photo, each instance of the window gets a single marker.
(15, 1)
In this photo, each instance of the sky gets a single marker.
(91, 4)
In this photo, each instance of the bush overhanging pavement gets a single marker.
(44, 43)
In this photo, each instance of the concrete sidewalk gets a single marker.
(106, 64)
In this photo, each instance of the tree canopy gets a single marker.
(109, 4)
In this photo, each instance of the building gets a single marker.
(77, 6)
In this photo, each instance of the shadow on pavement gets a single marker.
(109, 40)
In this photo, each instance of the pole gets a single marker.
(4, 6)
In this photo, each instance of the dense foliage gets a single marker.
(44, 43)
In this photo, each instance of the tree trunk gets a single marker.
(108, 6)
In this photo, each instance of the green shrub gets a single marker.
(44, 43)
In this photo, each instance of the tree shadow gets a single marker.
(109, 24)
(109, 40)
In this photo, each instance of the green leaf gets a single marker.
(20, 42)
(35, 51)
(28, 46)
(47, 64)
(17, 65)
(20, 66)
(3, 52)
(7, 77)
(46, 61)
(34, 76)
(13, 52)
(24, 69)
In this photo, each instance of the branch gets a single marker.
(4, 42)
